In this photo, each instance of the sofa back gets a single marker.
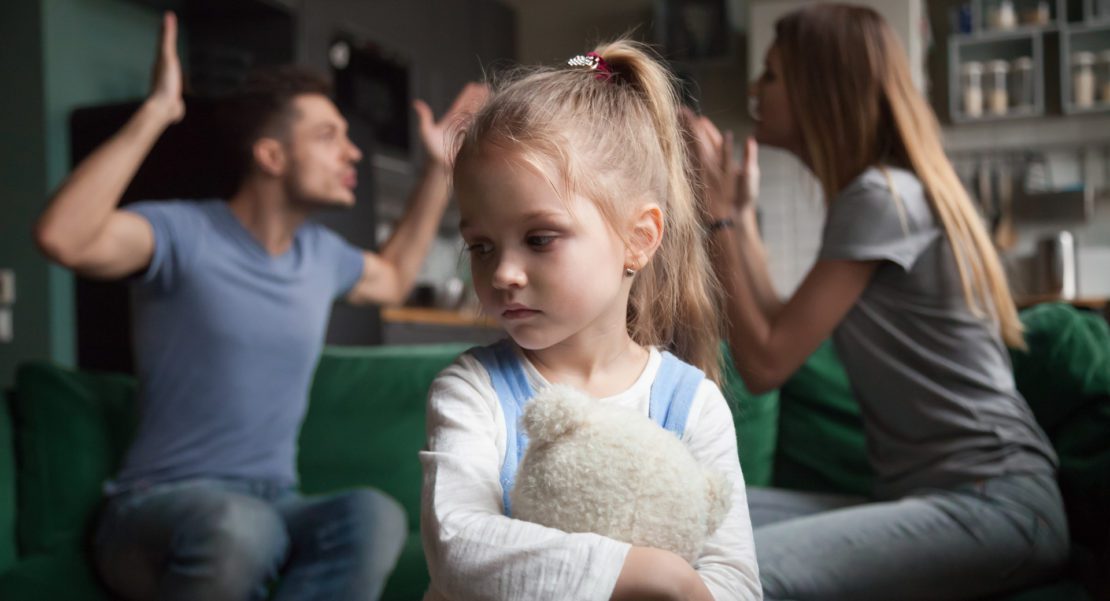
(7, 488)
(365, 422)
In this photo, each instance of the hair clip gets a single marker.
(594, 62)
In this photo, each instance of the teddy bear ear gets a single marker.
(554, 412)
(719, 494)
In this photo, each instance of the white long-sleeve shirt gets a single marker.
(476, 553)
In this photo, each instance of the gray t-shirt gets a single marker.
(226, 338)
(934, 382)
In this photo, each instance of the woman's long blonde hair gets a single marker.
(856, 106)
(617, 139)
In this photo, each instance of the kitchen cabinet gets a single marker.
(1063, 47)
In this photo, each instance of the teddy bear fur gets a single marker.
(593, 467)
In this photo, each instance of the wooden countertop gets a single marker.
(440, 317)
(1098, 303)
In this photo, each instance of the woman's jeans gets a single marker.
(217, 539)
(974, 540)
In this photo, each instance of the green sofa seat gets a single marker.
(63, 432)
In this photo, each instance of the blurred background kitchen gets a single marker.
(1022, 88)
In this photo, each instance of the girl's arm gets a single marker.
(655, 574)
(474, 552)
(727, 564)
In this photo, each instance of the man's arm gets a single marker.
(389, 275)
(82, 227)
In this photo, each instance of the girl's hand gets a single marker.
(656, 575)
(166, 79)
(434, 133)
(729, 187)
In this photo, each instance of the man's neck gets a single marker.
(265, 210)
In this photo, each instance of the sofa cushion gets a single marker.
(1065, 377)
(365, 422)
(756, 419)
(7, 488)
(821, 441)
(365, 427)
(71, 430)
(61, 576)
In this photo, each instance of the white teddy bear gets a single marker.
(592, 467)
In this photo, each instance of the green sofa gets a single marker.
(63, 431)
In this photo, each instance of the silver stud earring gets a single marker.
(629, 272)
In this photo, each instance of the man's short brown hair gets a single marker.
(263, 107)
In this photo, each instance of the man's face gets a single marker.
(321, 168)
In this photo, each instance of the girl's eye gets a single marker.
(479, 248)
(540, 241)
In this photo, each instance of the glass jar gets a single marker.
(1083, 79)
(998, 97)
(971, 84)
(1001, 15)
(1036, 13)
(1021, 83)
(1103, 75)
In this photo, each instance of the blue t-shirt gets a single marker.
(226, 339)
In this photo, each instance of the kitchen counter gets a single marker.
(424, 325)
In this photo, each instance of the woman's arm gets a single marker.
(729, 192)
(768, 340)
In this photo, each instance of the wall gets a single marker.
(59, 54)
(23, 171)
(791, 205)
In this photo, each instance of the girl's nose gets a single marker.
(509, 273)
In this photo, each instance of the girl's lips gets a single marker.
(518, 313)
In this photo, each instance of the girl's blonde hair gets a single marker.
(856, 106)
(616, 138)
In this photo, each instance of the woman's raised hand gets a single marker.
(729, 187)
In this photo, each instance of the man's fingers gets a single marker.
(471, 98)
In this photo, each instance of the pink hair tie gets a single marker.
(594, 62)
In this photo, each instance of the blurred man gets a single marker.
(230, 304)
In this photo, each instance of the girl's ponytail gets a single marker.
(675, 298)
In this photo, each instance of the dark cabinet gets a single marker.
(440, 45)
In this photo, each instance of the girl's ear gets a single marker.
(647, 234)
(269, 155)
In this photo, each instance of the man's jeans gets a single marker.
(974, 540)
(216, 539)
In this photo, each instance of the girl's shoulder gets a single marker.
(464, 374)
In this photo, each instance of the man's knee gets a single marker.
(379, 525)
(236, 542)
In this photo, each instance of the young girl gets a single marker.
(912, 293)
(585, 243)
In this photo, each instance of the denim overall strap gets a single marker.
(672, 393)
(506, 373)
